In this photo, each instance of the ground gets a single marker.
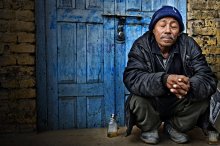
(92, 137)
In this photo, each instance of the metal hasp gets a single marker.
(120, 35)
(120, 38)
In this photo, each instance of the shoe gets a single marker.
(150, 137)
(175, 136)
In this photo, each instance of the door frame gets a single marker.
(41, 67)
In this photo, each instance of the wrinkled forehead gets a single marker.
(168, 19)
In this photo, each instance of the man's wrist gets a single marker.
(164, 79)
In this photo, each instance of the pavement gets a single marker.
(93, 137)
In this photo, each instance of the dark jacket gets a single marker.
(140, 77)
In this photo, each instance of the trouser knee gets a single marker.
(186, 117)
(147, 117)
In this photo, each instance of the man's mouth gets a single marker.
(167, 38)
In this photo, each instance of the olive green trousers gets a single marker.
(184, 115)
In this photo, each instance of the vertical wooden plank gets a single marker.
(94, 4)
(109, 66)
(81, 112)
(182, 7)
(144, 29)
(109, 7)
(133, 5)
(81, 74)
(120, 7)
(81, 53)
(51, 51)
(135, 31)
(147, 5)
(41, 66)
(94, 111)
(156, 4)
(66, 4)
(94, 53)
(171, 2)
(67, 52)
(119, 85)
(67, 110)
(80, 4)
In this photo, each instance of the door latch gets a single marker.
(120, 38)
(120, 35)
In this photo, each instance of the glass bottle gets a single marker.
(213, 137)
(112, 130)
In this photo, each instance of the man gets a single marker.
(168, 78)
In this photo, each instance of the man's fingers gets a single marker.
(182, 85)
(182, 78)
(178, 91)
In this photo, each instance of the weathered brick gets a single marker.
(7, 60)
(9, 84)
(1, 4)
(212, 50)
(204, 31)
(27, 71)
(1, 48)
(215, 4)
(217, 22)
(7, 14)
(210, 23)
(4, 26)
(199, 40)
(25, 15)
(213, 59)
(22, 26)
(23, 48)
(18, 83)
(26, 111)
(25, 60)
(216, 68)
(25, 93)
(218, 75)
(200, 15)
(19, 4)
(8, 37)
(198, 23)
(3, 95)
(26, 37)
(27, 83)
(198, 5)
(210, 41)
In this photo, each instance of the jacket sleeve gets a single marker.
(138, 76)
(203, 82)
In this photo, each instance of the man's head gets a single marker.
(166, 25)
(166, 11)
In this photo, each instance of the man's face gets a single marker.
(166, 31)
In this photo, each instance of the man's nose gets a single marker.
(167, 29)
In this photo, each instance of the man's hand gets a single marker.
(178, 84)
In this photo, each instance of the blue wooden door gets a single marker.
(85, 61)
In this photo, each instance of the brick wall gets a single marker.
(204, 25)
(17, 66)
(17, 56)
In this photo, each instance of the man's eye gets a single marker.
(174, 26)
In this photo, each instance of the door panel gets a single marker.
(85, 64)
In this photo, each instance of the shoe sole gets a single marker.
(149, 142)
(179, 142)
